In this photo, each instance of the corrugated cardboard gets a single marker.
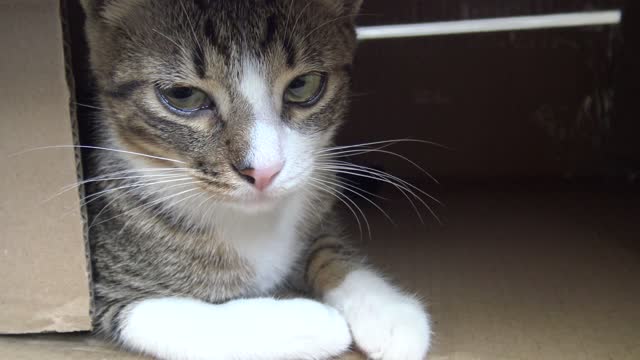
(44, 280)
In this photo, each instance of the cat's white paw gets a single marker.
(320, 330)
(385, 324)
(389, 329)
(245, 329)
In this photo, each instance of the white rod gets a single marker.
(609, 17)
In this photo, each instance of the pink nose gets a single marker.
(261, 178)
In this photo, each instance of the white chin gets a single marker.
(258, 202)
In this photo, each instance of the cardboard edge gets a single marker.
(75, 134)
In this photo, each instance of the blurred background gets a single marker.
(554, 104)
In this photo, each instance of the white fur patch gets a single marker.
(267, 132)
(267, 240)
(266, 145)
(251, 329)
(385, 323)
(271, 140)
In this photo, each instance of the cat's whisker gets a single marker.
(364, 217)
(208, 210)
(370, 170)
(402, 189)
(96, 148)
(351, 184)
(158, 213)
(113, 200)
(180, 47)
(150, 204)
(134, 186)
(124, 174)
(381, 175)
(109, 203)
(342, 186)
(390, 179)
(167, 209)
(141, 170)
(169, 197)
(86, 200)
(346, 154)
(360, 149)
(193, 30)
(354, 151)
(295, 24)
(114, 177)
(339, 196)
(391, 141)
(148, 170)
(89, 106)
(70, 187)
(286, 23)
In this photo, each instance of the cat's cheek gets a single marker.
(385, 323)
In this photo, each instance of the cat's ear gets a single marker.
(344, 7)
(110, 11)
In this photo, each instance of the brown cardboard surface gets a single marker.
(59, 347)
(525, 275)
(509, 276)
(43, 286)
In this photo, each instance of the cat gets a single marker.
(213, 192)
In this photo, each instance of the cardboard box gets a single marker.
(44, 285)
(531, 268)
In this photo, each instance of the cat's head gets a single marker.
(245, 93)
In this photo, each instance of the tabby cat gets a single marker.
(213, 202)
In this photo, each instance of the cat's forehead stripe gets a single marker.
(213, 38)
(199, 61)
(270, 32)
(290, 50)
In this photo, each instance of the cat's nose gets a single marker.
(262, 177)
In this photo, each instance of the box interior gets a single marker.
(536, 255)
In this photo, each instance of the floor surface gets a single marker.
(510, 275)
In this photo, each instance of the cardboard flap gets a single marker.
(44, 283)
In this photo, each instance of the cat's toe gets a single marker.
(391, 331)
(323, 327)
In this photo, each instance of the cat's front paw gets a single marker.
(385, 324)
(320, 329)
(389, 329)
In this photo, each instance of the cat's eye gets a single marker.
(305, 90)
(184, 99)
